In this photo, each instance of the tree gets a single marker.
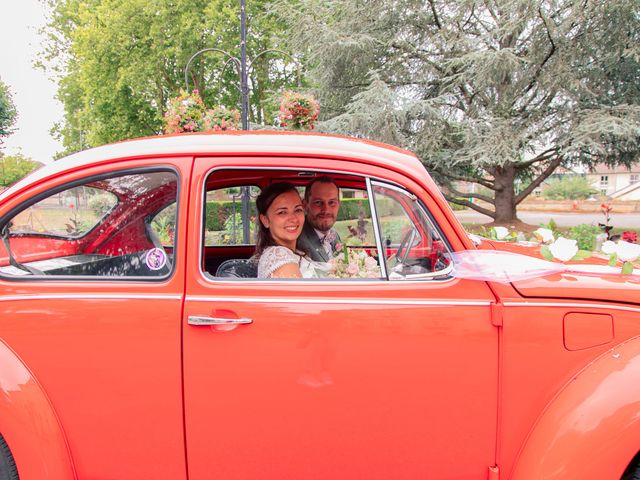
(14, 167)
(8, 113)
(119, 63)
(499, 93)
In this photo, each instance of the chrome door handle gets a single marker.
(200, 320)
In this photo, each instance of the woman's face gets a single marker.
(284, 219)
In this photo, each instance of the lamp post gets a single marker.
(243, 66)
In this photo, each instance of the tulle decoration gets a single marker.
(507, 267)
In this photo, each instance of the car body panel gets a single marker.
(573, 437)
(107, 354)
(436, 377)
(28, 422)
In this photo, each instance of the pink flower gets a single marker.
(352, 269)
(370, 263)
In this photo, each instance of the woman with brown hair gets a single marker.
(281, 218)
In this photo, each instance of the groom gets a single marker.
(321, 203)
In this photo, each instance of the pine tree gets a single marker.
(499, 93)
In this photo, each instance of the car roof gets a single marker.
(261, 142)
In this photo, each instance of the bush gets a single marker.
(350, 208)
(585, 235)
(568, 188)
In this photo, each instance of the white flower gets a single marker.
(544, 235)
(608, 247)
(627, 252)
(370, 263)
(501, 232)
(564, 249)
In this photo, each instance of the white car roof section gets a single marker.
(252, 142)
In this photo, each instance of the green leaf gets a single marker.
(582, 254)
(546, 253)
(627, 268)
(613, 259)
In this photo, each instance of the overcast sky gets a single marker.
(33, 93)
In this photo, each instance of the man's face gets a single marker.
(322, 206)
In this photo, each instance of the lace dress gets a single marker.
(273, 258)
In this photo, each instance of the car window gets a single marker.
(231, 225)
(412, 245)
(108, 227)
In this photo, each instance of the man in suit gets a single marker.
(321, 203)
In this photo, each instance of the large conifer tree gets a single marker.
(498, 93)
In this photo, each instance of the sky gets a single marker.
(32, 91)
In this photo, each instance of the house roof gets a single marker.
(603, 169)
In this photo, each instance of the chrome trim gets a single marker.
(572, 305)
(382, 259)
(201, 320)
(90, 296)
(212, 278)
(337, 301)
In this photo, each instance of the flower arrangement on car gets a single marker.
(298, 111)
(188, 113)
(352, 263)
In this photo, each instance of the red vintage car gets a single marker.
(136, 342)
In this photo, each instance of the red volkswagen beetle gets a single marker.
(137, 343)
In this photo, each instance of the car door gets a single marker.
(394, 377)
(92, 308)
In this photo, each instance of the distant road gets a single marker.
(618, 220)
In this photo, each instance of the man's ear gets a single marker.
(264, 220)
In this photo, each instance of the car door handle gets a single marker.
(202, 320)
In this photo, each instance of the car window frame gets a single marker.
(444, 274)
(83, 181)
(369, 180)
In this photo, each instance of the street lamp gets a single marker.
(243, 66)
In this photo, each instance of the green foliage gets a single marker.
(351, 208)
(585, 235)
(15, 167)
(8, 113)
(569, 188)
(119, 63)
(497, 93)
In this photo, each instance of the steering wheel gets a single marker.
(406, 244)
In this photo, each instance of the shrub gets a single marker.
(585, 235)
(568, 188)
(350, 209)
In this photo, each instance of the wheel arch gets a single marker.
(591, 430)
(29, 424)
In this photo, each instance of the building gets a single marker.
(618, 182)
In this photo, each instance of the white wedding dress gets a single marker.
(273, 258)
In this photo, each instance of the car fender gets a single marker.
(29, 424)
(591, 430)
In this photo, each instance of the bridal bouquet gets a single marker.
(352, 263)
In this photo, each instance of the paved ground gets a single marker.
(618, 220)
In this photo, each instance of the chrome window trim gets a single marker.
(118, 172)
(445, 272)
(209, 278)
(382, 261)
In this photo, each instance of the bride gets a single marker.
(281, 215)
